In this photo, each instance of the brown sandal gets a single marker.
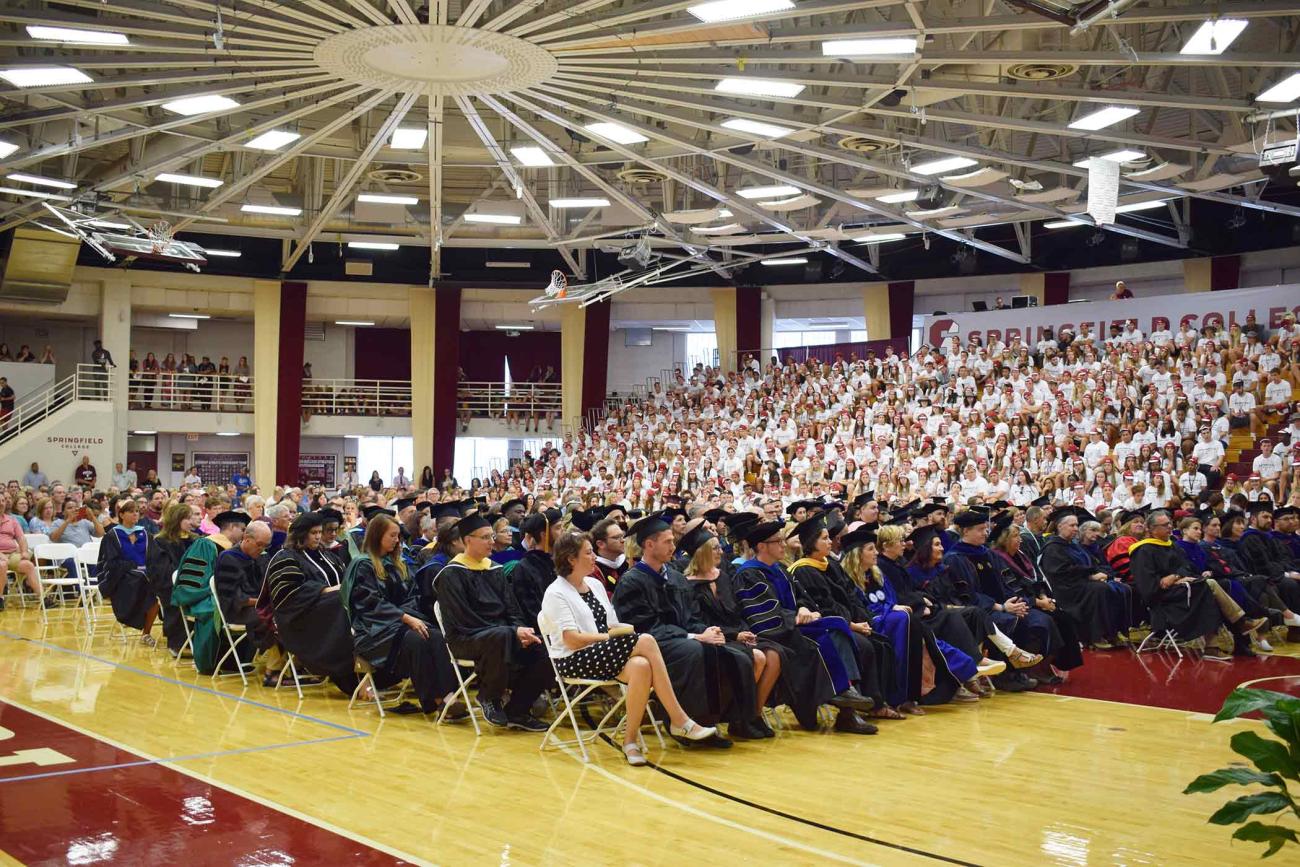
(885, 712)
(1021, 659)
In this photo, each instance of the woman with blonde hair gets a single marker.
(161, 562)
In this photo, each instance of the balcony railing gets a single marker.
(90, 382)
(364, 397)
(495, 400)
(198, 392)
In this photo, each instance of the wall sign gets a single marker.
(317, 470)
(178, 462)
(217, 468)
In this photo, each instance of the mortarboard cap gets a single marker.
(225, 519)
(763, 531)
(649, 526)
(864, 535)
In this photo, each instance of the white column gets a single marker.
(115, 332)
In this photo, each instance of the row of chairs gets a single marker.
(61, 566)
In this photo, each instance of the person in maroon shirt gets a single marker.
(85, 474)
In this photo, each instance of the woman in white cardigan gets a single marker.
(586, 640)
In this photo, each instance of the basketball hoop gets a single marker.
(559, 285)
(160, 236)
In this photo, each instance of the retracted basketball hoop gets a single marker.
(559, 285)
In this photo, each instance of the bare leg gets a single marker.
(27, 569)
(771, 672)
(636, 674)
(149, 617)
(648, 648)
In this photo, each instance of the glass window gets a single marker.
(701, 348)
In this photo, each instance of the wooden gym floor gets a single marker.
(111, 754)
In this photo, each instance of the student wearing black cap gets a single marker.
(331, 555)
(1079, 587)
(713, 682)
(1264, 554)
(534, 572)
(191, 593)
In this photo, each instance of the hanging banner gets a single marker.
(1153, 313)
(1103, 190)
(217, 468)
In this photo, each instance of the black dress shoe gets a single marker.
(493, 714)
(527, 723)
(717, 741)
(763, 727)
(849, 721)
(744, 730)
(1014, 682)
(852, 699)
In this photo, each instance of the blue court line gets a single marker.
(194, 686)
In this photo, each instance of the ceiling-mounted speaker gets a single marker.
(815, 270)
(893, 98)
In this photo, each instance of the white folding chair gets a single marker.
(53, 574)
(15, 578)
(462, 683)
(189, 634)
(393, 695)
(230, 630)
(587, 687)
(290, 667)
(1165, 640)
(88, 556)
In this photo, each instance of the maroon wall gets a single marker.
(1225, 273)
(749, 319)
(901, 298)
(382, 353)
(446, 342)
(1056, 288)
(288, 419)
(483, 354)
(595, 357)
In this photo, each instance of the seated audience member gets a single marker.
(1180, 601)
(1264, 554)
(1080, 587)
(1120, 598)
(15, 557)
(191, 593)
(161, 564)
(609, 536)
(122, 578)
(388, 630)
(580, 618)
(535, 571)
(240, 573)
(1223, 541)
(503, 537)
(485, 624)
(1207, 564)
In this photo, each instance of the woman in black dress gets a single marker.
(122, 555)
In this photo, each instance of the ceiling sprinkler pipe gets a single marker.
(1112, 9)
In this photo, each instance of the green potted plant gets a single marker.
(1275, 763)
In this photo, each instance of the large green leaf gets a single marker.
(1243, 701)
(1269, 756)
(1239, 809)
(1216, 780)
(1274, 835)
(1283, 718)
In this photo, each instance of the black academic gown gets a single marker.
(1263, 554)
(1188, 609)
(714, 604)
(1075, 590)
(309, 618)
(123, 580)
(659, 603)
(962, 629)
(482, 618)
(164, 558)
(529, 579)
(239, 579)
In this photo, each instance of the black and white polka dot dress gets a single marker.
(602, 660)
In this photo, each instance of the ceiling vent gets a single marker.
(314, 331)
(860, 144)
(641, 175)
(395, 176)
(1041, 71)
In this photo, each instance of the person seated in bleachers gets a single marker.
(122, 578)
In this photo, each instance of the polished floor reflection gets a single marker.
(141, 762)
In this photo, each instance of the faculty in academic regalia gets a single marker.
(122, 578)
(484, 623)
(302, 594)
(609, 539)
(239, 576)
(191, 593)
(535, 571)
(163, 559)
(1264, 554)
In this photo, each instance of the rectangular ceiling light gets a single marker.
(192, 105)
(39, 181)
(1104, 117)
(495, 219)
(885, 47)
(615, 132)
(82, 37)
(514, 328)
(756, 127)
(1063, 224)
(272, 140)
(1140, 206)
(383, 199)
(189, 316)
(1286, 90)
(225, 254)
(500, 264)
(533, 157)
(759, 87)
(371, 245)
(227, 433)
(34, 194)
(109, 224)
(1214, 37)
(43, 76)
(357, 323)
(188, 180)
(730, 10)
(1120, 156)
(788, 260)
(900, 196)
(945, 164)
(768, 192)
(592, 202)
(6, 148)
(408, 138)
(878, 239)
(274, 210)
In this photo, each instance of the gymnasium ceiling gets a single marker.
(992, 84)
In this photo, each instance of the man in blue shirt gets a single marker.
(34, 478)
(241, 481)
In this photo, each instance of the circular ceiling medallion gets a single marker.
(641, 175)
(860, 144)
(1041, 71)
(394, 176)
(451, 61)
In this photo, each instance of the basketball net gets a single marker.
(559, 285)
(160, 236)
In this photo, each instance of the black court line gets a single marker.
(812, 823)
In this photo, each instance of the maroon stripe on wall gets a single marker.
(595, 357)
(446, 343)
(901, 298)
(382, 353)
(749, 319)
(1056, 288)
(288, 424)
(1225, 273)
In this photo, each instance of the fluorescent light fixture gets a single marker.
(771, 192)
(1286, 90)
(1104, 117)
(275, 210)
(192, 105)
(497, 264)
(759, 87)
(592, 202)
(189, 316)
(358, 323)
(514, 328)
(883, 47)
(34, 194)
(82, 37)
(371, 245)
(900, 196)
(39, 181)
(144, 433)
(532, 156)
(730, 10)
(225, 254)
(788, 260)
(878, 239)
(1214, 36)
(6, 148)
(382, 199)
(671, 328)
(495, 219)
(109, 224)
(1124, 155)
(615, 132)
(1140, 206)
(227, 433)
(43, 76)
(1063, 224)
(756, 127)
(272, 140)
(408, 138)
(188, 180)
(944, 164)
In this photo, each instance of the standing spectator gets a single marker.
(206, 381)
(7, 398)
(132, 476)
(349, 480)
(104, 359)
(400, 481)
(1121, 292)
(85, 475)
(24, 354)
(192, 477)
(34, 478)
(241, 481)
(47, 355)
(5, 354)
(121, 480)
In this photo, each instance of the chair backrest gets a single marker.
(55, 551)
(216, 601)
(34, 539)
(544, 625)
(437, 615)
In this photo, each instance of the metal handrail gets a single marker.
(365, 397)
(497, 400)
(203, 392)
(89, 382)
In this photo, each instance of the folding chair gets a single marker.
(368, 679)
(232, 643)
(291, 668)
(16, 579)
(58, 553)
(189, 634)
(462, 684)
(587, 688)
(87, 556)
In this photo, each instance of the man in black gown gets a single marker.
(239, 574)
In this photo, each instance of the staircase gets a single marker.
(54, 427)
(1243, 447)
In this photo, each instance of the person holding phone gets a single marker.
(78, 525)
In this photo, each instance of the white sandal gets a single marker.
(692, 731)
(635, 758)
